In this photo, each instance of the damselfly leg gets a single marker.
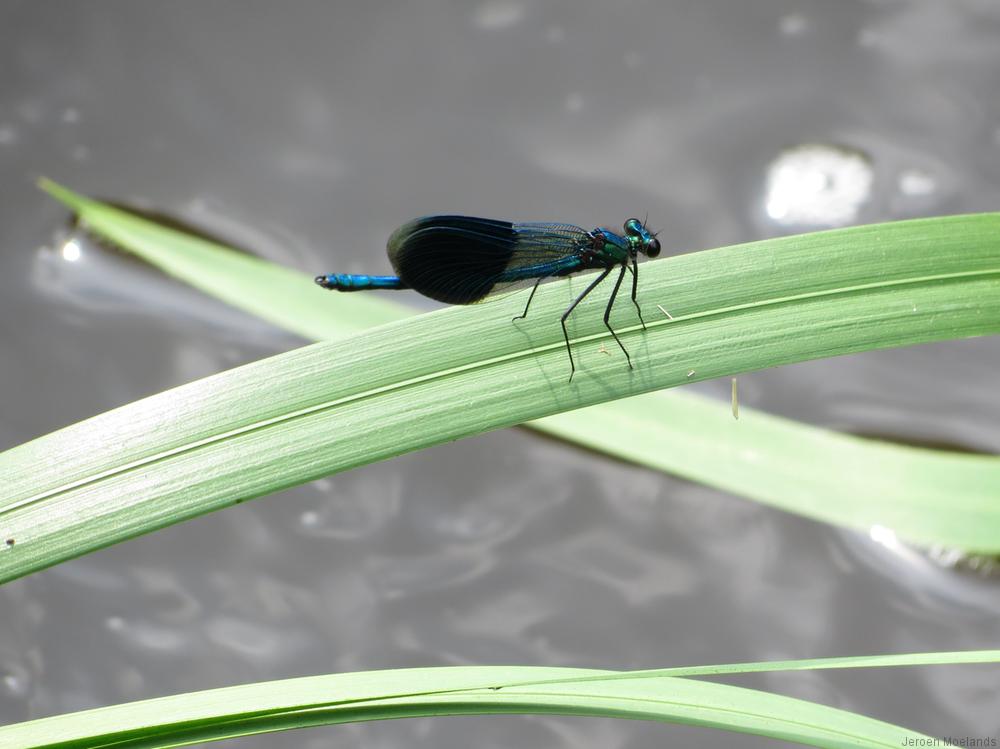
(607, 314)
(635, 286)
(530, 297)
(562, 320)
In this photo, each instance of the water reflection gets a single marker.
(71, 250)
(818, 185)
(935, 589)
(78, 271)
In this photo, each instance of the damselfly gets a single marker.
(462, 260)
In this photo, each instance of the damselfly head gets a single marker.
(642, 241)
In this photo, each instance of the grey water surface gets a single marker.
(307, 131)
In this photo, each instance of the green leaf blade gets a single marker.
(461, 371)
(380, 695)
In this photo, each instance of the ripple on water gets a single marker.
(351, 509)
(915, 182)
(793, 24)
(15, 680)
(639, 576)
(413, 576)
(498, 14)
(254, 642)
(148, 636)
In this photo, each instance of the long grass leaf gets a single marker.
(930, 497)
(379, 695)
(460, 371)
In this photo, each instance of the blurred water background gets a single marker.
(307, 131)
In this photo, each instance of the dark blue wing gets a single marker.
(462, 259)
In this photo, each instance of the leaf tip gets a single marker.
(62, 194)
